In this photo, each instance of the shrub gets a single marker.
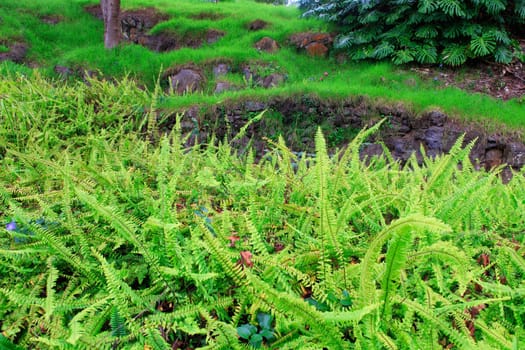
(424, 31)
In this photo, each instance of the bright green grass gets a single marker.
(77, 42)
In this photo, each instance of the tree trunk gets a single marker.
(111, 12)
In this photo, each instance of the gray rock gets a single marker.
(273, 80)
(254, 106)
(221, 69)
(63, 71)
(514, 154)
(437, 118)
(186, 80)
(222, 86)
(434, 138)
(370, 150)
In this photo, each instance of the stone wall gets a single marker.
(403, 133)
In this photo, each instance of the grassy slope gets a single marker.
(77, 42)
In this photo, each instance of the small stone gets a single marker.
(273, 80)
(222, 86)
(316, 50)
(302, 40)
(256, 25)
(437, 118)
(63, 71)
(493, 158)
(221, 69)
(267, 44)
(186, 80)
(254, 106)
(213, 35)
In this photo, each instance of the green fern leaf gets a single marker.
(461, 340)
(396, 257)
(154, 340)
(50, 303)
(6, 344)
(411, 222)
(117, 323)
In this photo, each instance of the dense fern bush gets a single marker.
(116, 242)
(424, 31)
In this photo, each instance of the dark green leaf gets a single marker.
(267, 334)
(265, 320)
(246, 330)
(256, 340)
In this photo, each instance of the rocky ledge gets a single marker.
(404, 132)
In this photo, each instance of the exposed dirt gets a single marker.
(256, 25)
(17, 51)
(503, 81)
(52, 19)
(169, 40)
(136, 24)
(148, 16)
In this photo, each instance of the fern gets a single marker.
(403, 226)
(460, 339)
(397, 254)
(7, 344)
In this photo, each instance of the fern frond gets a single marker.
(501, 338)
(6, 344)
(354, 316)
(117, 323)
(415, 222)
(396, 257)
(218, 252)
(154, 340)
(460, 340)
(256, 238)
(386, 341)
(120, 291)
(50, 302)
(293, 306)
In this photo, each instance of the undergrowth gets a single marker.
(118, 236)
